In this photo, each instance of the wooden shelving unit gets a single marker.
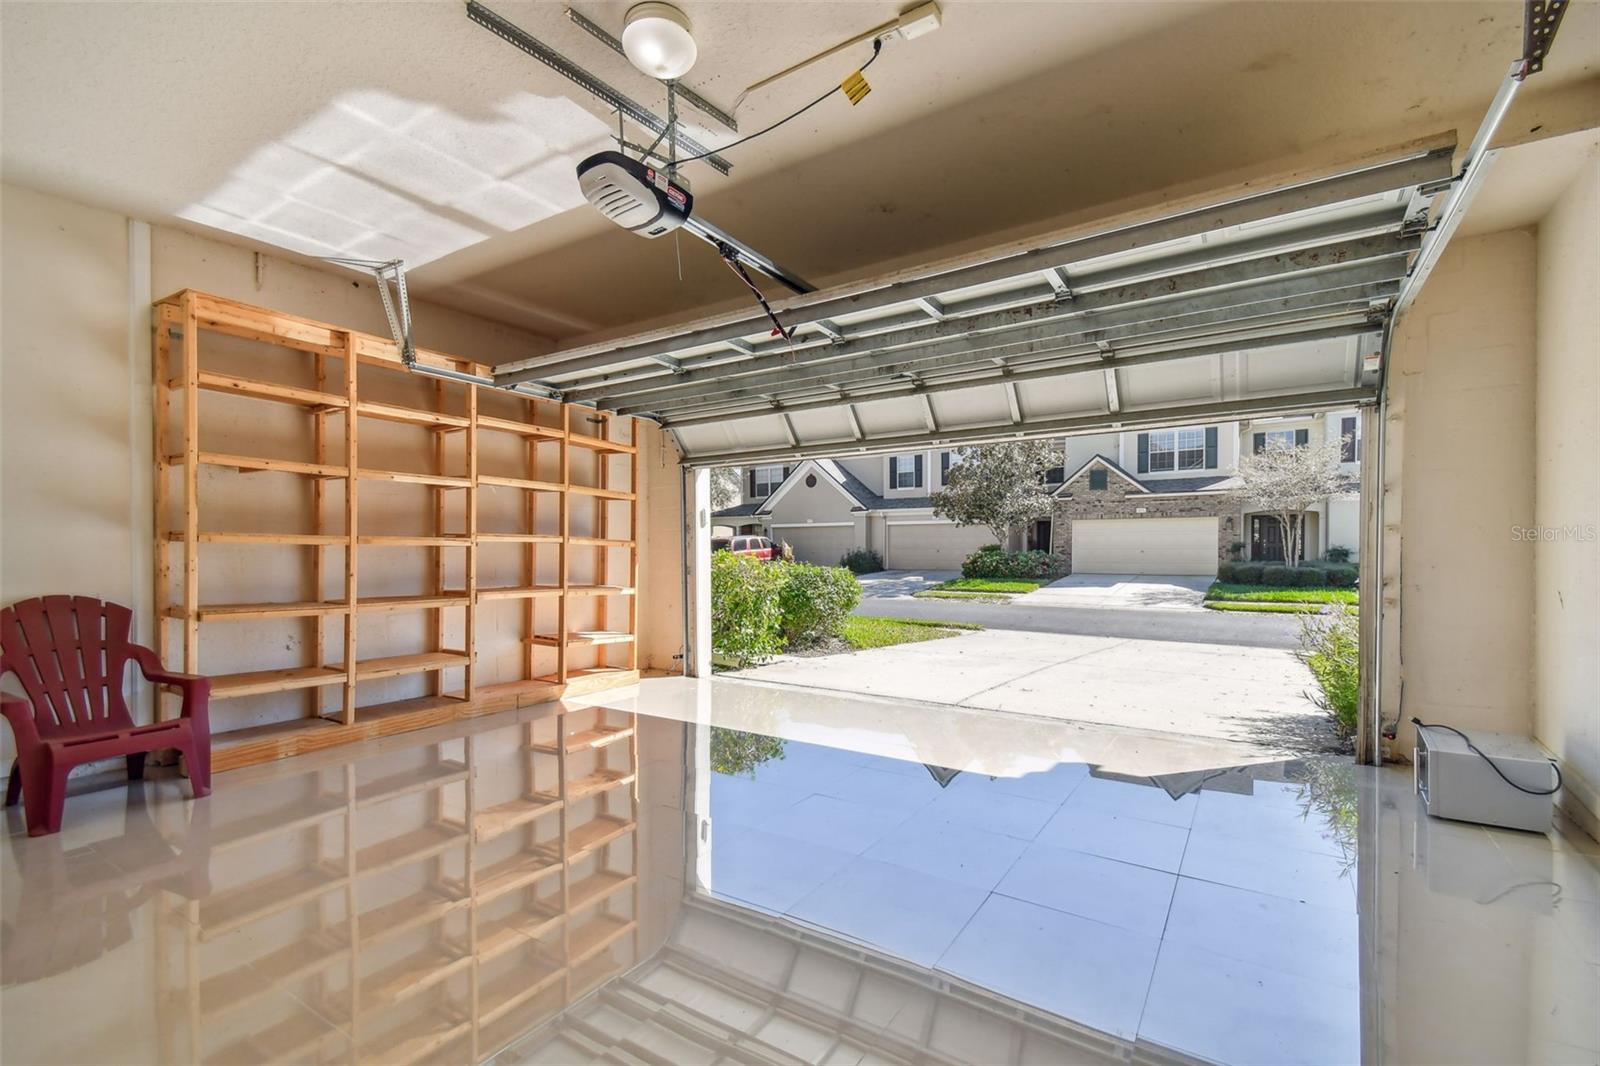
(321, 372)
(484, 944)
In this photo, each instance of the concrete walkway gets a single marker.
(1242, 695)
(1121, 591)
(901, 584)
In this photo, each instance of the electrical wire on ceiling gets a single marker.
(877, 49)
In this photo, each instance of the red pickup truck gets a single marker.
(760, 547)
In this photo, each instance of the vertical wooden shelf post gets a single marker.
(352, 481)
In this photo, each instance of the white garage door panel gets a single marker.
(939, 546)
(1145, 546)
(823, 545)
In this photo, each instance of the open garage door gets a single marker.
(1183, 546)
(1271, 300)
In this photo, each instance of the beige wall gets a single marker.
(1566, 562)
(76, 425)
(1459, 478)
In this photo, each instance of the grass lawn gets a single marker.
(1317, 594)
(978, 588)
(862, 633)
(1264, 608)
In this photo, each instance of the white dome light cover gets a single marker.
(657, 39)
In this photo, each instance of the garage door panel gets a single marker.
(1179, 546)
(931, 546)
(823, 545)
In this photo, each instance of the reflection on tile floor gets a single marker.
(727, 872)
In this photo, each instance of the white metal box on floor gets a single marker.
(1461, 784)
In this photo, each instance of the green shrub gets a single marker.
(746, 615)
(862, 561)
(1306, 577)
(1236, 550)
(1277, 575)
(1247, 573)
(994, 562)
(1338, 554)
(815, 601)
(1226, 571)
(1330, 646)
(1342, 577)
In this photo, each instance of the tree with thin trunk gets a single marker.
(999, 486)
(725, 488)
(1285, 480)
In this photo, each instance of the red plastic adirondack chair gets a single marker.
(71, 654)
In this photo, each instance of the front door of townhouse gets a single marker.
(1266, 539)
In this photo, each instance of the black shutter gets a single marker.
(1347, 440)
(918, 476)
(786, 474)
(1211, 447)
(751, 478)
(894, 471)
(1144, 453)
(1302, 437)
(1259, 444)
(944, 467)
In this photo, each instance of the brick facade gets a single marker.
(1119, 499)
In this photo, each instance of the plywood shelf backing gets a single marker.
(510, 910)
(330, 367)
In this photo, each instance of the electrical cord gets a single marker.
(731, 257)
(877, 48)
(1420, 724)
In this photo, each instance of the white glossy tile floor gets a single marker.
(863, 882)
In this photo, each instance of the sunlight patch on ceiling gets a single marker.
(377, 176)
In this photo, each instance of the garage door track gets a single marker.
(1120, 591)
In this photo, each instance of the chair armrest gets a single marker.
(194, 686)
(19, 712)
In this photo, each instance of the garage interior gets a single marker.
(326, 356)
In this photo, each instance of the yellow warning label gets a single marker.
(855, 87)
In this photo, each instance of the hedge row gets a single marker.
(1306, 575)
(992, 561)
(760, 608)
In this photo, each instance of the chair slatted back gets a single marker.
(71, 655)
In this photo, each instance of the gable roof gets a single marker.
(1157, 486)
(831, 472)
(1109, 464)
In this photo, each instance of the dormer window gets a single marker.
(905, 471)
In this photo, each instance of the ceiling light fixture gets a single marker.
(656, 38)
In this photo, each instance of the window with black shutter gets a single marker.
(1347, 440)
(1302, 437)
(1211, 447)
(1144, 453)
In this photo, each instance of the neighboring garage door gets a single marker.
(825, 545)
(931, 546)
(1144, 546)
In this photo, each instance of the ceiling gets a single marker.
(380, 129)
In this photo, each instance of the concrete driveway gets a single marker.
(901, 584)
(1244, 696)
(1120, 592)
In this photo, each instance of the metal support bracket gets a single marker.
(600, 34)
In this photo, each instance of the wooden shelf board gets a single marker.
(596, 833)
(412, 974)
(258, 464)
(400, 665)
(496, 936)
(593, 936)
(256, 682)
(406, 782)
(517, 871)
(601, 590)
(592, 679)
(526, 429)
(245, 983)
(291, 1040)
(503, 817)
(212, 381)
(526, 593)
(406, 477)
(408, 847)
(233, 908)
(525, 484)
(240, 612)
(600, 542)
(600, 444)
(604, 494)
(314, 540)
(417, 1039)
(519, 538)
(596, 737)
(594, 889)
(401, 603)
(412, 416)
(427, 905)
(597, 782)
(263, 743)
(453, 540)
